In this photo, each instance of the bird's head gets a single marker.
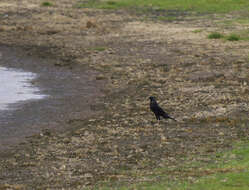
(152, 98)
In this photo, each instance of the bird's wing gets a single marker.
(161, 111)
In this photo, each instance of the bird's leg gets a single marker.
(156, 125)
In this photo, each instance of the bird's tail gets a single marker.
(166, 116)
(172, 118)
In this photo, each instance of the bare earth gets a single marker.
(203, 83)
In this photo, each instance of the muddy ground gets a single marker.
(64, 88)
(203, 83)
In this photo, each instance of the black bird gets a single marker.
(157, 110)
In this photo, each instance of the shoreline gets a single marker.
(71, 94)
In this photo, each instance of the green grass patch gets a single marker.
(243, 20)
(47, 4)
(97, 49)
(215, 35)
(197, 31)
(203, 6)
(228, 181)
(233, 37)
(231, 172)
(239, 35)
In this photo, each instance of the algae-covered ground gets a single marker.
(201, 82)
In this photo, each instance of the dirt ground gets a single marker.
(202, 83)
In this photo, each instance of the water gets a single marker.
(15, 86)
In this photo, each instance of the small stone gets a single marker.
(100, 77)
(91, 24)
